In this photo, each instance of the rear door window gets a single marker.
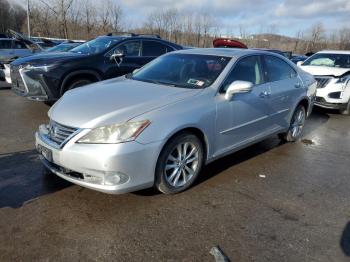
(5, 44)
(154, 48)
(278, 70)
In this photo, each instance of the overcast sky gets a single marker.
(285, 16)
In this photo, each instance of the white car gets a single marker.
(331, 69)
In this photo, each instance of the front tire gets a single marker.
(78, 82)
(179, 163)
(296, 125)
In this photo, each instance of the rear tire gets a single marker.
(296, 125)
(346, 111)
(179, 163)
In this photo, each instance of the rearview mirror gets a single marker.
(238, 87)
(299, 63)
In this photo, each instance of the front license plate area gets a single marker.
(45, 152)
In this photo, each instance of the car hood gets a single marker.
(325, 71)
(48, 58)
(113, 101)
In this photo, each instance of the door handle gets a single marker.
(297, 85)
(264, 94)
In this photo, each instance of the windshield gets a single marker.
(330, 60)
(183, 70)
(62, 47)
(96, 45)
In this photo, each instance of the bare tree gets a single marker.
(317, 35)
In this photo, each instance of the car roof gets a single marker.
(344, 52)
(229, 52)
(141, 37)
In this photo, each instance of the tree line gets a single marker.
(83, 19)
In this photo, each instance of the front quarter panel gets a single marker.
(195, 112)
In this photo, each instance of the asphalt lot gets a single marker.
(300, 210)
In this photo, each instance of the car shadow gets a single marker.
(23, 178)
(345, 240)
(218, 166)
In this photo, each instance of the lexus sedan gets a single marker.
(161, 124)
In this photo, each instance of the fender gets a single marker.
(79, 72)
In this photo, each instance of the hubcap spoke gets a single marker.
(172, 166)
(178, 174)
(188, 161)
(173, 174)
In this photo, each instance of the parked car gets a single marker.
(298, 58)
(17, 46)
(161, 124)
(13, 48)
(47, 76)
(332, 72)
(64, 47)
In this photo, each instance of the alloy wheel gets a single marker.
(181, 164)
(298, 123)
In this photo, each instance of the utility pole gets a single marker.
(28, 19)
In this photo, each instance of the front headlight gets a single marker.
(114, 134)
(44, 68)
(343, 79)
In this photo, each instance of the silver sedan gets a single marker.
(160, 125)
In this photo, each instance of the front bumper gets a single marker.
(321, 102)
(333, 96)
(88, 165)
(30, 84)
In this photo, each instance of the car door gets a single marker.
(246, 117)
(151, 49)
(131, 60)
(285, 86)
(6, 50)
(20, 49)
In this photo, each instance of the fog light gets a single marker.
(335, 95)
(93, 179)
(115, 178)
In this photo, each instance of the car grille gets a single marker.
(322, 81)
(17, 82)
(59, 134)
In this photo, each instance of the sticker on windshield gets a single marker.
(195, 82)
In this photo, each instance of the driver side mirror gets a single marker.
(299, 63)
(238, 87)
(117, 56)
